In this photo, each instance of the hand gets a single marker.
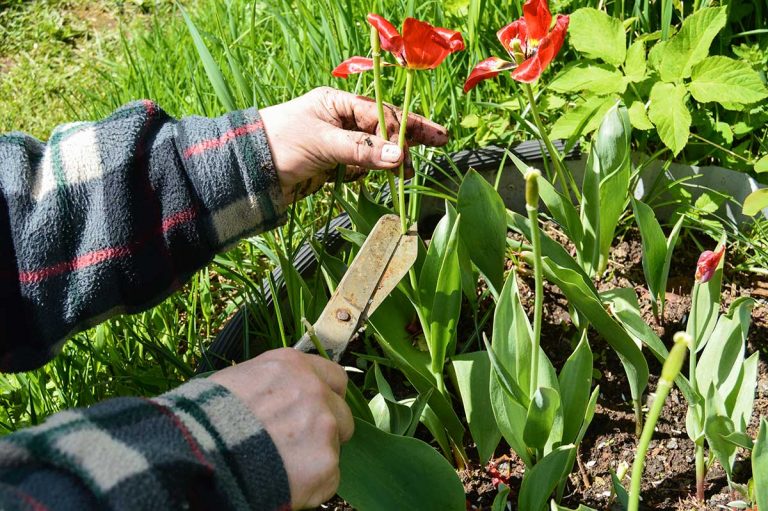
(313, 133)
(299, 399)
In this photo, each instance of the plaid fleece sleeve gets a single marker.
(196, 447)
(111, 216)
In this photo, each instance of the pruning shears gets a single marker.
(383, 260)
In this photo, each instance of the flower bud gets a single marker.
(708, 263)
(676, 357)
(532, 187)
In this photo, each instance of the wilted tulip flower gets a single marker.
(421, 46)
(530, 43)
(707, 264)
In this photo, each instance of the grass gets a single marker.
(68, 60)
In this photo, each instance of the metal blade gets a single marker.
(347, 309)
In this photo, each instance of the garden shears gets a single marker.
(383, 260)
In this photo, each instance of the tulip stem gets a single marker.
(401, 142)
(376, 55)
(532, 207)
(560, 171)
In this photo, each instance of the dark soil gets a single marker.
(669, 479)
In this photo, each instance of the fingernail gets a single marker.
(391, 153)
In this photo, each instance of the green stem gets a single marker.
(401, 142)
(532, 199)
(701, 472)
(669, 372)
(376, 55)
(553, 153)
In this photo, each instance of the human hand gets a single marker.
(299, 398)
(313, 133)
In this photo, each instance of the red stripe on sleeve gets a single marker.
(228, 136)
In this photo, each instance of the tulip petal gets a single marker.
(449, 39)
(422, 51)
(390, 38)
(485, 69)
(529, 70)
(551, 44)
(353, 65)
(708, 263)
(515, 30)
(537, 18)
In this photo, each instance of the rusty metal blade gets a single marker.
(348, 306)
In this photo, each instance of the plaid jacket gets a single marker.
(111, 217)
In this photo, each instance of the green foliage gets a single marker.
(760, 466)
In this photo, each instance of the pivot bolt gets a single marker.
(343, 315)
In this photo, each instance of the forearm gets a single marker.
(197, 447)
(112, 216)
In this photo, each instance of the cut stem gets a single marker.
(376, 55)
(401, 142)
(532, 206)
(554, 155)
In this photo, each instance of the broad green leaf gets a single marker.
(762, 165)
(540, 417)
(500, 501)
(593, 77)
(691, 44)
(510, 418)
(745, 395)
(512, 335)
(212, 69)
(720, 361)
(635, 66)
(390, 416)
(670, 115)
(430, 270)
(670, 246)
(597, 35)
(755, 202)
(716, 427)
(575, 389)
(435, 426)
(654, 247)
(507, 380)
(540, 481)
(447, 305)
(357, 403)
(584, 118)
(380, 471)
(722, 79)
(587, 303)
(473, 376)
(484, 228)
(555, 507)
(740, 439)
(639, 117)
(760, 466)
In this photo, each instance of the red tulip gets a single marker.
(707, 264)
(421, 46)
(530, 43)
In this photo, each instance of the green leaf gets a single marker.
(635, 66)
(639, 117)
(745, 394)
(430, 270)
(670, 115)
(390, 416)
(512, 335)
(540, 481)
(484, 228)
(654, 247)
(762, 165)
(473, 376)
(621, 493)
(587, 303)
(540, 417)
(212, 69)
(589, 76)
(447, 305)
(562, 210)
(500, 501)
(555, 507)
(357, 403)
(597, 35)
(760, 466)
(575, 387)
(755, 202)
(724, 79)
(584, 118)
(380, 471)
(510, 418)
(691, 44)
(716, 428)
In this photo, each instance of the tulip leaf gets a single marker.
(691, 44)
(540, 481)
(654, 247)
(760, 466)
(562, 211)
(390, 416)
(580, 294)
(484, 227)
(380, 471)
(512, 334)
(716, 427)
(621, 493)
(510, 418)
(597, 35)
(743, 397)
(575, 387)
(755, 202)
(584, 118)
(669, 113)
(540, 418)
(473, 375)
(722, 79)
(500, 501)
(555, 507)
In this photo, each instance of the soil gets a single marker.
(669, 478)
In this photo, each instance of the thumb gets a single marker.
(362, 149)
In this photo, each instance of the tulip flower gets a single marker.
(707, 264)
(530, 43)
(420, 46)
